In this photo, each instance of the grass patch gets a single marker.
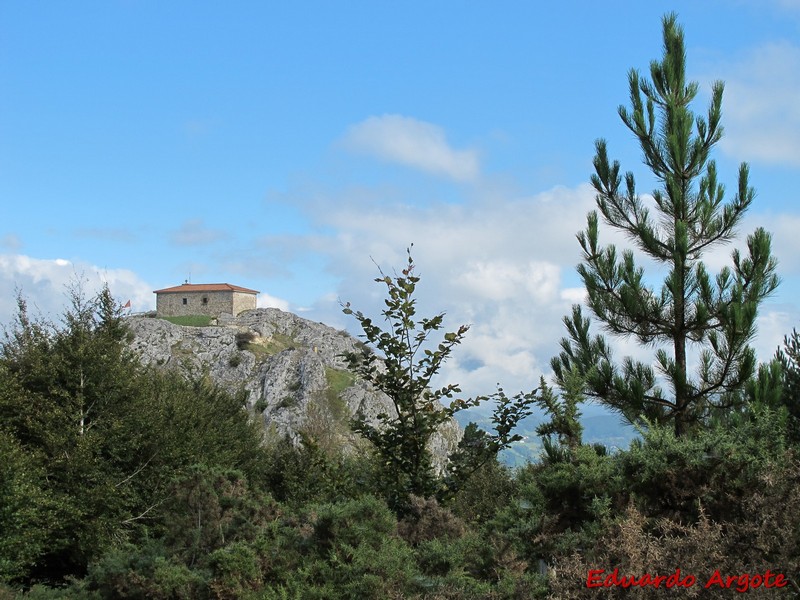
(180, 351)
(190, 320)
(264, 347)
(287, 402)
(338, 381)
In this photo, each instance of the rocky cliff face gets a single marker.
(291, 369)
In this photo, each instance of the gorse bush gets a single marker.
(711, 469)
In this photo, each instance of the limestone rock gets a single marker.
(291, 368)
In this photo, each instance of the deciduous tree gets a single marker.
(407, 362)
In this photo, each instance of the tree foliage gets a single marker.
(407, 362)
(688, 216)
(404, 371)
(788, 359)
(95, 439)
(564, 412)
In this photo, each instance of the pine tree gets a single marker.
(789, 360)
(687, 217)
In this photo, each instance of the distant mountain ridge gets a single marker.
(600, 425)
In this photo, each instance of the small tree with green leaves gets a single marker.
(477, 448)
(686, 218)
(407, 362)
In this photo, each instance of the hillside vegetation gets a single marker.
(126, 472)
(124, 481)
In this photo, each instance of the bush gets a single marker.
(236, 571)
(210, 508)
(637, 545)
(715, 468)
(244, 338)
(145, 572)
(287, 473)
(426, 520)
(26, 519)
(487, 491)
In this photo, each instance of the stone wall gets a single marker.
(178, 304)
(243, 302)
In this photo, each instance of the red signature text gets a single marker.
(598, 578)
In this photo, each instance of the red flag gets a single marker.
(126, 305)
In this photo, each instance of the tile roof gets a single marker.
(205, 287)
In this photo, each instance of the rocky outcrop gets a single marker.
(291, 369)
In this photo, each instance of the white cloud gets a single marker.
(574, 295)
(762, 112)
(267, 301)
(785, 243)
(494, 264)
(193, 232)
(505, 267)
(785, 240)
(11, 242)
(774, 322)
(502, 280)
(44, 282)
(413, 143)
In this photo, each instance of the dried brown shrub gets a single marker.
(427, 520)
(768, 537)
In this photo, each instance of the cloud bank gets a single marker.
(505, 267)
(762, 112)
(44, 283)
(194, 232)
(413, 143)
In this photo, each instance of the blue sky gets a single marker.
(286, 146)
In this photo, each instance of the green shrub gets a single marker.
(672, 476)
(143, 573)
(236, 571)
(26, 519)
(426, 520)
(487, 491)
(210, 508)
(309, 473)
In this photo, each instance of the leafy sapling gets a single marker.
(407, 360)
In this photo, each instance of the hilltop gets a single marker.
(290, 368)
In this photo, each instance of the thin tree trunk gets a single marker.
(681, 396)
